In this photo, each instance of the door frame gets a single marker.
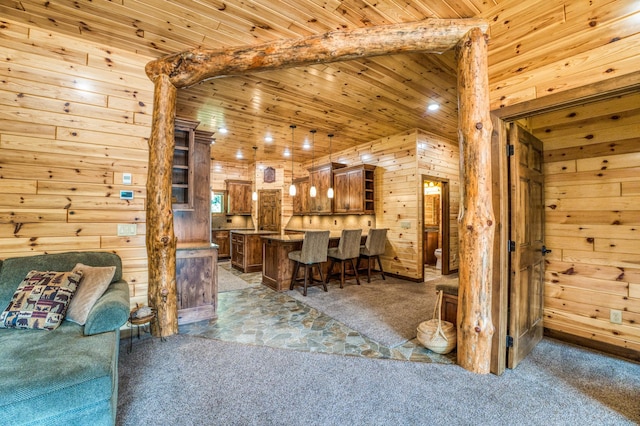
(445, 226)
(501, 119)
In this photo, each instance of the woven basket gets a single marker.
(437, 335)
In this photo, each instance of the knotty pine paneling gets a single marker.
(68, 132)
(592, 224)
(542, 47)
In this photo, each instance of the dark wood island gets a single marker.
(277, 269)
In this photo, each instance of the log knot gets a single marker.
(479, 126)
(478, 329)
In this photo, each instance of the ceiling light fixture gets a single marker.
(223, 130)
(292, 188)
(254, 194)
(313, 191)
(433, 107)
(330, 191)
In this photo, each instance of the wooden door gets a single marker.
(527, 244)
(269, 210)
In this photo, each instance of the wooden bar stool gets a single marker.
(313, 253)
(347, 250)
(373, 248)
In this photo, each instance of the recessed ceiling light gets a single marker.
(268, 139)
(286, 153)
(306, 145)
(433, 107)
(223, 130)
(239, 155)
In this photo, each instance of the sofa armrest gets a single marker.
(111, 311)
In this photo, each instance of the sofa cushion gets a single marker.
(48, 378)
(95, 280)
(41, 300)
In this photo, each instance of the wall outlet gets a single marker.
(615, 316)
(127, 229)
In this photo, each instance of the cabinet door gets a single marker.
(323, 179)
(356, 191)
(196, 283)
(221, 238)
(301, 200)
(349, 191)
(237, 250)
(239, 197)
(342, 197)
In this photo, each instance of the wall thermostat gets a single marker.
(126, 178)
(126, 195)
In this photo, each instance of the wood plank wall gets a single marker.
(549, 46)
(74, 117)
(592, 191)
(440, 158)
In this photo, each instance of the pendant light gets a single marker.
(292, 188)
(330, 191)
(254, 195)
(313, 191)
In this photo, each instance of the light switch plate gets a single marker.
(127, 229)
(405, 225)
(126, 178)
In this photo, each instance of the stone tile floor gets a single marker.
(258, 315)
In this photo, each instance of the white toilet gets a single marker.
(438, 254)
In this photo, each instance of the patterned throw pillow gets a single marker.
(41, 300)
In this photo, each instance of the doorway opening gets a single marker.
(435, 232)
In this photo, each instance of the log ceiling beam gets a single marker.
(429, 36)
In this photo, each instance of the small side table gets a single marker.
(138, 322)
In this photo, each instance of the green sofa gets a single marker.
(68, 375)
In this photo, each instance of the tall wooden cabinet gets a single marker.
(196, 259)
(322, 178)
(354, 190)
(238, 197)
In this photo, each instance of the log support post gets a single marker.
(161, 240)
(475, 220)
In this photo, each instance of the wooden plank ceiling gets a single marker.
(358, 101)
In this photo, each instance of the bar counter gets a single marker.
(277, 268)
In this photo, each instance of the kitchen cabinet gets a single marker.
(246, 250)
(222, 239)
(301, 200)
(322, 178)
(238, 197)
(196, 282)
(354, 190)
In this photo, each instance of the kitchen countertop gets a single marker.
(252, 232)
(196, 245)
